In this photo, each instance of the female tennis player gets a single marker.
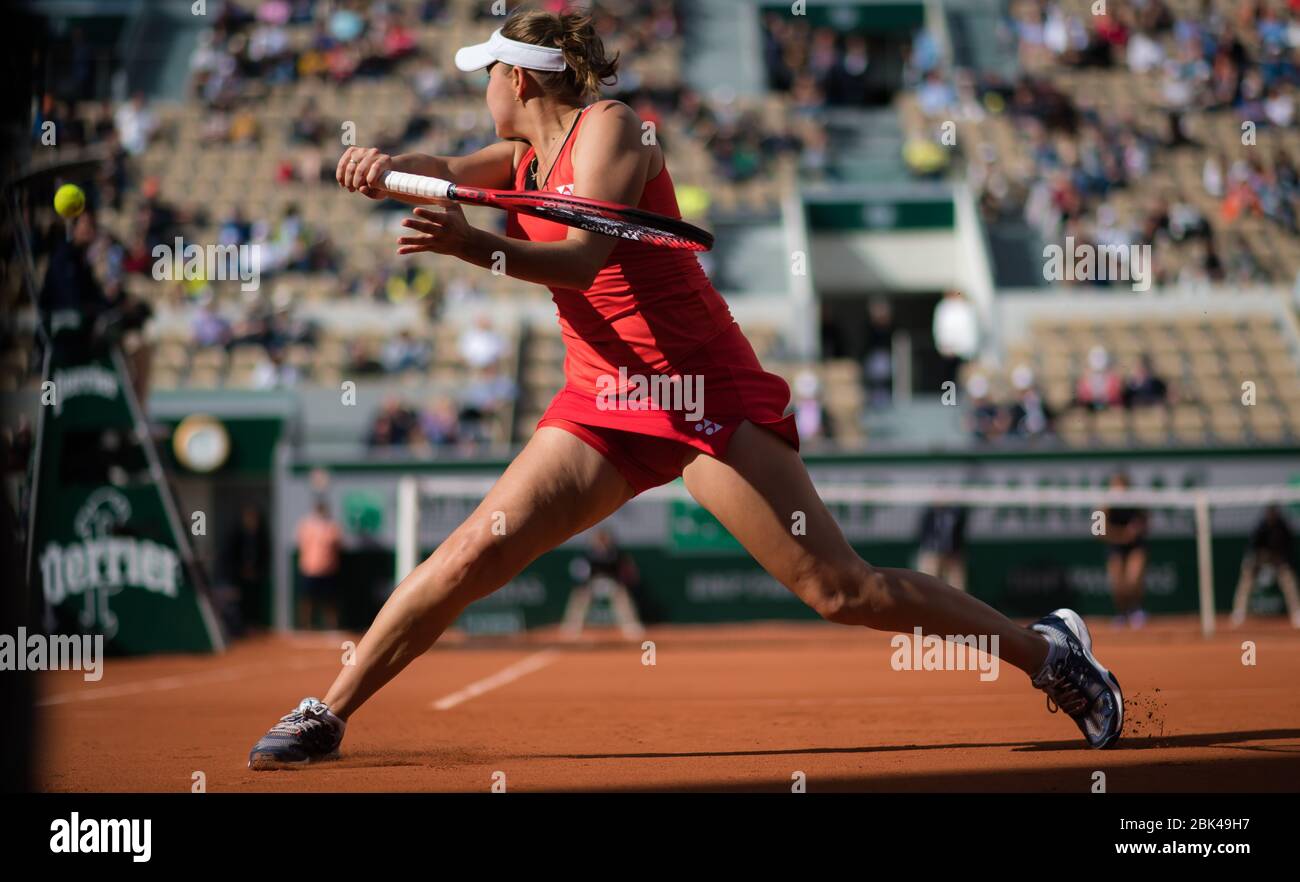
(626, 306)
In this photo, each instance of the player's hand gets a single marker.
(440, 231)
(362, 169)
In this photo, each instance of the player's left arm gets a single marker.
(610, 163)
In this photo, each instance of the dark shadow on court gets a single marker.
(1211, 739)
(1219, 775)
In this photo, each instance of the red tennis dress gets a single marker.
(654, 363)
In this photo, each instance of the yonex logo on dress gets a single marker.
(708, 427)
(679, 392)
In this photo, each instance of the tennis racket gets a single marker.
(606, 218)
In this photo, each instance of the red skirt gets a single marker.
(647, 426)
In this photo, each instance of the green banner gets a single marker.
(698, 586)
(107, 547)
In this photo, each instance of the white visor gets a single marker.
(512, 52)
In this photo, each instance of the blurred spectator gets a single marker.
(273, 372)
(255, 329)
(1271, 548)
(1144, 388)
(1029, 417)
(810, 415)
(943, 544)
(956, 331)
(136, 124)
(209, 328)
(1145, 54)
(360, 360)
(404, 352)
(603, 571)
(244, 130)
(1100, 387)
(986, 421)
(248, 555)
(235, 228)
(439, 424)
(878, 361)
(159, 218)
(481, 345)
(1212, 174)
(1126, 556)
(936, 96)
(320, 541)
(925, 159)
(393, 424)
(428, 82)
(70, 284)
(309, 126)
(15, 446)
(831, 333)
(82, 301)
(485, 402)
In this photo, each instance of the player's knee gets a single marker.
(468, 562)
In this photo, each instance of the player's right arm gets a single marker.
(361, 169)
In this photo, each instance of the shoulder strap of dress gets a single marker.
(572, 141)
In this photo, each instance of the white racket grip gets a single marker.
(417, 185)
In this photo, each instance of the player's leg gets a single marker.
(557, 487)
(304, 609)
(928, 562)
(1286, 581)
(1135, 576)
(957, 571)
(1118, 584)
(764, 497)
(331, 607)
(575, 611)
(625, 614)
(1245, 587)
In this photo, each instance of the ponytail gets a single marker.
(587, 68)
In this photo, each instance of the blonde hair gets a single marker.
(587, 67)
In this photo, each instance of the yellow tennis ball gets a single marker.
(69, 201)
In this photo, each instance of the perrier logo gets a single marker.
(101, 564)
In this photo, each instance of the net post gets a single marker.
(408, 527)
(1204, 563)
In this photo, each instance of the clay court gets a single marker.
(734, 708)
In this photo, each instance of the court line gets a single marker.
(174, 681)
(503, 677)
